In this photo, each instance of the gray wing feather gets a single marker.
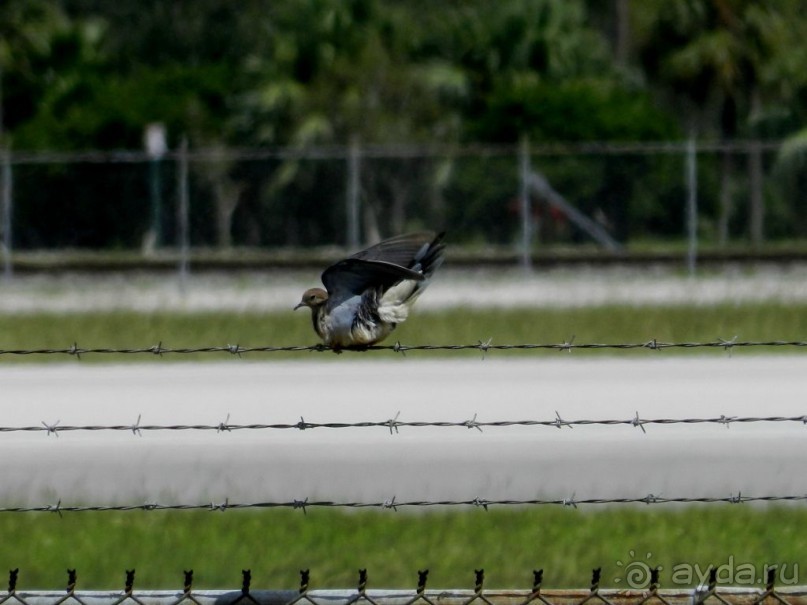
(353, 276)
(403, 250)
(412, 256)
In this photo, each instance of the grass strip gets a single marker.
(617, 324)
(508, 544)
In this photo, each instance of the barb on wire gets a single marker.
(484, 346)
(423, 576)
(136, 427)
(246, 581)
(393, 504)
(393, 425)
(479, 584)
(560, 423)
(13, 576)
(479, 502)
(128, 586)
(567, 345)
(224, 426)
(220, 507)
(305, 577)
(71, 580)
(594, 590)
(51, 428)
(473, 423)
(302, 504)
(639, 422)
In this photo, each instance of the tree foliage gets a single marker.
(88, 73)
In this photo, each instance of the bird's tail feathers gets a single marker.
(429, 258)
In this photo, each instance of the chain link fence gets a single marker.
(746, 191)
(648, 591)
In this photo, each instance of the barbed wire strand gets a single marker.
(394, 504)
(395, 424)
(485, 346)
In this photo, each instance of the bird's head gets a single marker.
(313, 298)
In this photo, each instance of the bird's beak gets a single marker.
(298, 305)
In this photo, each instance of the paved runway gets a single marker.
(370, 464)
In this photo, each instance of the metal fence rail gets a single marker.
(397, 151)
(650, 592)
(484, 346)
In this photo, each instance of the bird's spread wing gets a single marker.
(400, 250)
(353, 276)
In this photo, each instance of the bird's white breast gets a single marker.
(339, 329)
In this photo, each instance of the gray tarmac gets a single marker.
(375, 464)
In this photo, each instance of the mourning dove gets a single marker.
(368, 294)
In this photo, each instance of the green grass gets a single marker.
(508, 544)
(597, 324)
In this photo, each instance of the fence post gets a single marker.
(756, 201)
(183, 210)
(156, 146)
(5, 196)
(692, 204)
(524, 203)
(353, 193)
(5, 215)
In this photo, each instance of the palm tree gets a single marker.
(713, 57)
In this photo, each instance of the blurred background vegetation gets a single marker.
(318, 76)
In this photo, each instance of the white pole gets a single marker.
(5, 218)
(5, 196)
(155, 142)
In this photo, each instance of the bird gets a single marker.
(369, 293)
